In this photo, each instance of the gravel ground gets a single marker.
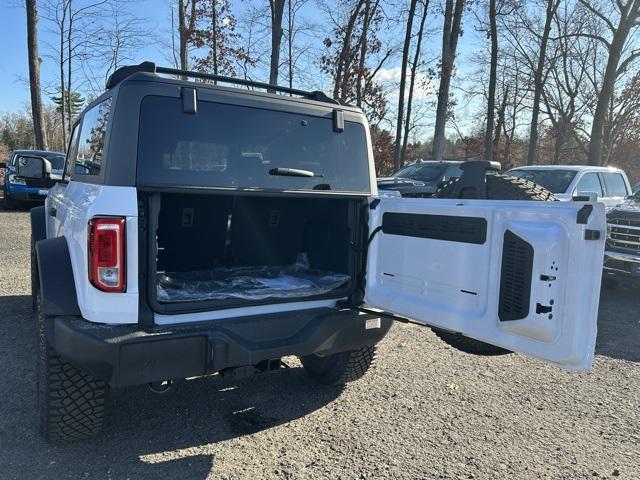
(424, 411)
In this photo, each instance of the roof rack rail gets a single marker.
(149, 67)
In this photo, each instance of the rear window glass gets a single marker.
(235, 146)
(554, 180)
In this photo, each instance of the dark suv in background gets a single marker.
(423, 178)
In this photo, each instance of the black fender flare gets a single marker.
(38, 224)
(57, 287)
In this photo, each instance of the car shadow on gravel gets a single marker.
(619, 324)
(147, 435)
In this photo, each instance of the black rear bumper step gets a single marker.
(127, 355)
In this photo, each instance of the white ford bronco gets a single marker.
(202, 229)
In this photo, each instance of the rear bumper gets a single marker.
(128, 355)
(622, 265)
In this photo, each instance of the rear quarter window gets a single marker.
(93, 130)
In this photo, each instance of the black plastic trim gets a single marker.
(583, 214)
(128, 355)
(57, 287)
(38, 223)
(515, 278)
(437, 227)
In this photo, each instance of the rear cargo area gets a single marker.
(229, 249)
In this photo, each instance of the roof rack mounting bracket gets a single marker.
(189, 100)
(338, 120)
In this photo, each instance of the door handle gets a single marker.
(52, 211)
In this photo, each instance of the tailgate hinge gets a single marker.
(382, 313)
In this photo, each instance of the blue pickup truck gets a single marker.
(18, 190)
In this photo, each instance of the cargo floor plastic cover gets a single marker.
(248, 283)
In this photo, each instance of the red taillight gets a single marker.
(107, 254)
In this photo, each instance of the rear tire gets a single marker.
(339, 368)
(71, 403)
(499, 187)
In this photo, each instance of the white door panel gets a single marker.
(432, 263)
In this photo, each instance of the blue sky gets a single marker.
(14, 70)
(14, 92)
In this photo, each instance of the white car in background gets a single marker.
(567, 181)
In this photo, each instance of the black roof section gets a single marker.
(149, 67)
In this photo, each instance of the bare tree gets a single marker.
(538, 85)
(412, 81)
(403, 78)
(354, 56)
(294, 51)
(34, 75)
(186, 27)
(277, 13)
(628, 20)
(567, 74)
(493, 72)
(450, 34)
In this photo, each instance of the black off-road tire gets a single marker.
(499, 187)
(504, 187)
(71, 403)
(339, 368)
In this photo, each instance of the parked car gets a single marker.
(636, 188)
(18, 190)
(174, 254)
(611, 185)
(423, 178)
(622, 252)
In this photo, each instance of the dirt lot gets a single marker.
(424, 411)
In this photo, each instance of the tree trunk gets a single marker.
(403, 77)
(34, 74)
(363, 52)
(182, 29)
(552, 6)
(344, 51)
(290, 41)
(412, 82)
(277, 10)
(69, 55)
(450, 35)
(214, 38)
(493, 71)
(608, 82)
(62, 80)
(500, 122)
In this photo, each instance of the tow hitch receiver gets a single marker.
(266, 366)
